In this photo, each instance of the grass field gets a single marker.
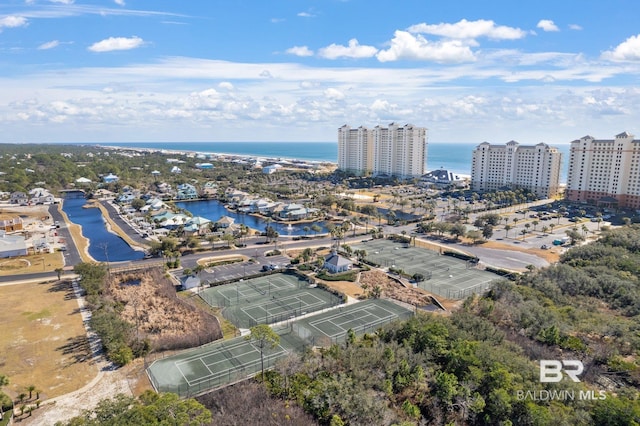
(31, 264)
(43, 341)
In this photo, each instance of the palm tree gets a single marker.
(506, 230)
(30, 389)
(535, 223)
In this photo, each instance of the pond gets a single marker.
(104, 246)
(214, 210)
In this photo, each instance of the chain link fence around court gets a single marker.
(283, 308)
(223, 363)
(238, 373)
(268, 300)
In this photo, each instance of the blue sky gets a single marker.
(296, 70)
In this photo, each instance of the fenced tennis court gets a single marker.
(210, 366)
(269, 299)
(444, 275)
(199, 370)
(332, 327)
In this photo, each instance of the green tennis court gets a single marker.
(268, 300)
(444, 275)
(199, 370)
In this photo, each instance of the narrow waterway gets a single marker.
(104, 246)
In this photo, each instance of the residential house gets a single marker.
(296, 211)
(204, 166)
(271, 169)
(225, 222)
(19, 198)
(125, 198)
(176, 170)
(197, 225)
(210, 188)
(186, 191)
(41, 196)
(110, 178)
(155, 203)
(83, 181)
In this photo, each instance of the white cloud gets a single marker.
(547, 25)
(116, 43)
(491, 99)
(12, 21)
(334, 94)
(470, 30)
(575, 27)
(63, 1)
(628, 50)
(353, 50)
(408, 46)
(49, 45)
(300, 51)
(305, 15)
(119, 2)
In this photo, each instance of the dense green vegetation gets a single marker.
(149, 409)
(476, 366)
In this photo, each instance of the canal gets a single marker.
(104, 246)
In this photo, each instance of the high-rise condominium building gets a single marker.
(393, 151)
(355, 150)
(605, 172)
(534, 167)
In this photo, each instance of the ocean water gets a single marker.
(451, 156)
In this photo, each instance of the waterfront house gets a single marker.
(40, 196)
(210, 188)
(335, 263)
(197, 225)
(186, 191)
(296, 211)
(155, 203)
(225, 222)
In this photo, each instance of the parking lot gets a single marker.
(240, 270)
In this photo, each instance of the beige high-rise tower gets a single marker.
(535, 168)
(605, 172)
(392, 151)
